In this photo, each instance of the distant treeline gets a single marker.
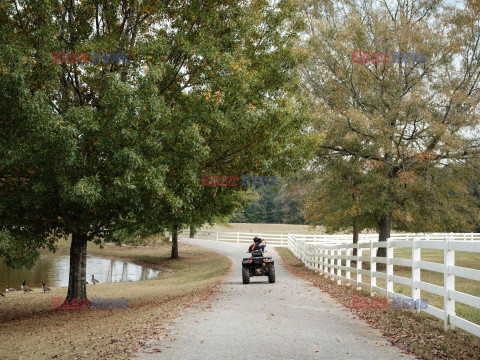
(273, 205)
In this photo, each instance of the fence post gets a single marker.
(339, 263)
(238, 237)
(328, 253)
(389, 269)
(449, 284)
(217, 237)
(304, 258)
(416, 257)
(281, 239)
(359, 266)
(325, 260)
(322, 247)
(373, 268)
(309, 257)
(306, 255)
(297, 247)
(347, 264)
(332, 263)
(312, 258)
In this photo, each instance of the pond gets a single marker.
(53, 269)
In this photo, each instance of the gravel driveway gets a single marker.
(290, 319)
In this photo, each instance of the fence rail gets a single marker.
(324, 254)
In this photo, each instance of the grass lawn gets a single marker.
(418, 334)
(30, 329)
(264, 228)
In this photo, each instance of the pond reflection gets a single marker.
(53, 270)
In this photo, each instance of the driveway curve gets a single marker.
(290, 319)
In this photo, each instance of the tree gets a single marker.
(409, 123)
(238, 64)
(290, 200)
(334, 197)
(103, 150)
(282, 204)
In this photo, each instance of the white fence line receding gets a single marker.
(324, 254)
(326, 258)
(281, 239)
(239, 238)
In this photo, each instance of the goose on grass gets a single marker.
(45, 288)
(25, 288)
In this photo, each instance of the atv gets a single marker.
(258, 265)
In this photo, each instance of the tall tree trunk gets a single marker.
(77, 288)
(385, 226)
(193, 231)
(355, 235)
(175, 242)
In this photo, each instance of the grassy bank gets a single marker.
(29, 328)
(420, 334)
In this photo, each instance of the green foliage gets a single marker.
(111, 151)
(274, 205)
(335, 196)
(398, 135)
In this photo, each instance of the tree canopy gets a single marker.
(103, 150)
(409, 126)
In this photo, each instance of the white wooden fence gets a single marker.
(327, 260)
(239, 238)
(281, 239)
(324, 254)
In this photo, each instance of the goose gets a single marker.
(25, 288)
(9, 289)
(45, 288)
(2, 295)
(94, 281)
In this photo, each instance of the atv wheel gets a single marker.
(271, 274)
(246, 275)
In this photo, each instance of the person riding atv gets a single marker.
(256, 245)
(258, 265)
